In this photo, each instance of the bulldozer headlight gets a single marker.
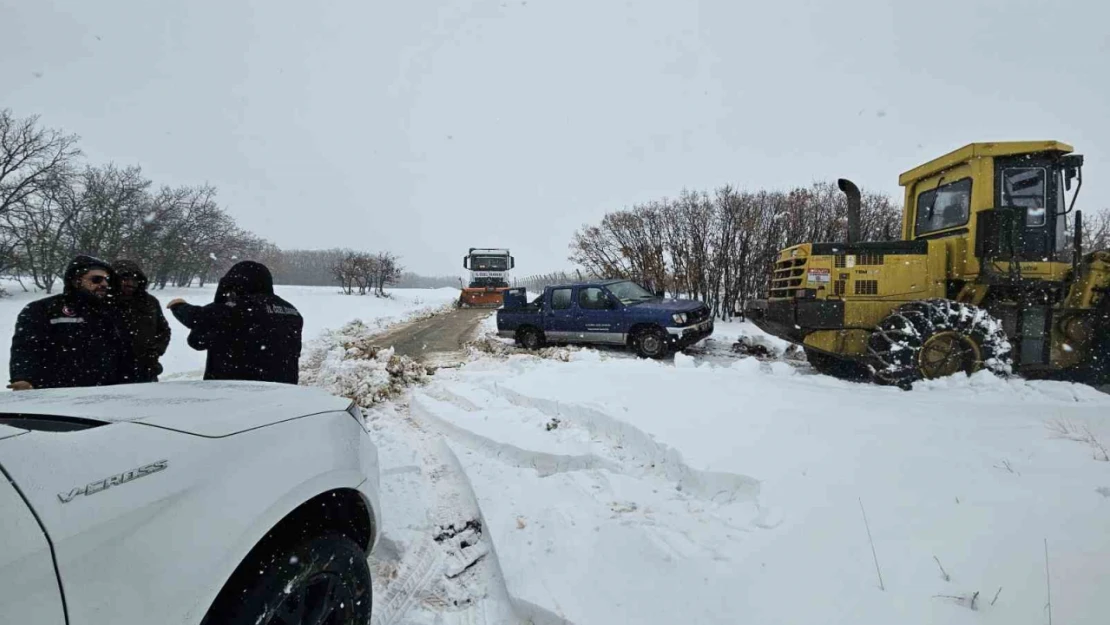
(679, 318)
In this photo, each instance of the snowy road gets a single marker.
(439, 338)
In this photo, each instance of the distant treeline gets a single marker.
(54, 205)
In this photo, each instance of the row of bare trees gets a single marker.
(720, 247)
(369, 273)
(54, 206)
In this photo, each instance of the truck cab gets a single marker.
(489, 277)
(613, 312)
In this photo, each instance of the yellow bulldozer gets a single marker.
(989, 273)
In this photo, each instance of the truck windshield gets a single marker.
(489, 263)
(629, 292)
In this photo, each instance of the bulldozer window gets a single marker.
(1025, 186)
(560, 299)
(943, 207)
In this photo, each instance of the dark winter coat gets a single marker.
(144, 323)
(249, 333)
(71, 339)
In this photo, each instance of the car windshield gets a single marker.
(629, 292)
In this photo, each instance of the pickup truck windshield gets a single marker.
(630, 292)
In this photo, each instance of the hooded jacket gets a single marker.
(143, 323)
(248, 332)
(71, 339)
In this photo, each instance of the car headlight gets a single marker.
(679, 318)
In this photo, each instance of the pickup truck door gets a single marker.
(29, 591)
(597, 319)
(560, 322)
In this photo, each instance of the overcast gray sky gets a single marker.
(430, 126)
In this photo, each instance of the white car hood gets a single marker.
(7, 431)
(205, 408)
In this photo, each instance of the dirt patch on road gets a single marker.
(437, 339)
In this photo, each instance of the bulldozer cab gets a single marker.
(992, 203)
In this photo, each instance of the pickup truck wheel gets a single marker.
(650, 343)
(325, 579)
(529, 338)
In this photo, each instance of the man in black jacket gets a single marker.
(72, 339)
(250, 333)
(143, 321)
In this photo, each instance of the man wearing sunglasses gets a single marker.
(75, 338)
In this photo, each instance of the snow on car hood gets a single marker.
(206, 408)
(673, 305)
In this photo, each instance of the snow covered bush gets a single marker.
(344, 362)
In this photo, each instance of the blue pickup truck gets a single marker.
(612, 312)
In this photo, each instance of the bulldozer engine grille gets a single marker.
(841, 260)
(788, 277)
(867, 287)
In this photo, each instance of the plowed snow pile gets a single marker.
(618, 490)
(344, 363)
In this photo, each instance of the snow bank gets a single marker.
(343, 362)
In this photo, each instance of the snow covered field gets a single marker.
(591, 487)
(322, 308)
(615, 490)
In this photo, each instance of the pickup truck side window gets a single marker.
(560, 299)
(592, 299)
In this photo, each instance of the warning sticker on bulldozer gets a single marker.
(817, 276)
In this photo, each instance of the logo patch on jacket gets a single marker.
(69, 312)
(275, 309)
(67, 320)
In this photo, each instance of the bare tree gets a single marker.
(29, 155)
(720, 248)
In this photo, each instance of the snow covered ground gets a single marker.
(322, 308)
(593, 487)
(616, 490)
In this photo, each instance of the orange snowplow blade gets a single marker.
(482, 298)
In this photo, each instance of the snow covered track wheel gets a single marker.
(324, 580)
(937, 338)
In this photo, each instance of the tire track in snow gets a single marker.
(544, 463)
(643, 450)
(416, 575)
(453, 571)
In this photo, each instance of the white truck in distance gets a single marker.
(185, 503)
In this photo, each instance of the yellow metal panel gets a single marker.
(979, 150)
(847, 342)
